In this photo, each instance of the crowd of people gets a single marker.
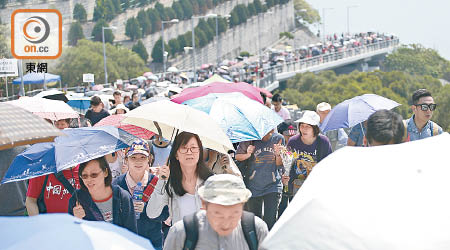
(197, 198)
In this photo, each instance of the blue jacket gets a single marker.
(148, 228)
(123, 209)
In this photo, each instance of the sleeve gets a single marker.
(342, 137)
(175, 237)
(35, 187)
(129, 221)
(158, 200)
(242, 147)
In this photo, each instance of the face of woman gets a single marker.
(120, 111)
(138, 163)
(188, 155)
(93, 176)
(306, 130)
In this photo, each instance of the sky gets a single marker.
(413, 21)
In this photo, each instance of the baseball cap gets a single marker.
(287, 128)
(309, 117)
(138, 147)
(323, 106)
(224, 189)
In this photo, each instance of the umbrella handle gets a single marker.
(158, 128)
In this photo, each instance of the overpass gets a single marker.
(359, 56)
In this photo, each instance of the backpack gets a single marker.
(247, 223)
(434, 130)
(40, 201)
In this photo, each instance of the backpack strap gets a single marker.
(40, 200)
(149, 189)
(434, 129)
(65, 182)
(191, 228)
(248, 227)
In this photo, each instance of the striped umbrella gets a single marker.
(20, 127)
(45, 108)
(116, 120)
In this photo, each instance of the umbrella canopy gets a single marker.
(77, 146)
(356, 110)
(219, 87)
(79, 104)
(215, 78)
(204, 66)
(266, 92)
(154, 99)
(170, 116)
(241, 118)
(37, 78)
(67, 232)
(172, 70)
(20, 127)
(53, 94)
(153, 78)
(147, 74)
(45, 108)
(371, 198)
(116, 121)
(97, 87)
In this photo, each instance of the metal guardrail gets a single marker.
(306, 63)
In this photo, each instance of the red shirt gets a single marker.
(56, 197)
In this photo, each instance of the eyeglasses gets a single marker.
(186, 150)
(425, 107)
(93, 175)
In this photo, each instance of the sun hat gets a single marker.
(119, 106)
(323, 106)
(138, 147)
(309, 117)
(224, 189)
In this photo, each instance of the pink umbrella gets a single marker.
(97, 87)
(147, 74)
(219, 87)
(116, 121)
(266, 92)
(204, 66)
(131, 86)
(45, 108)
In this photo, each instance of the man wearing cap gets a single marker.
(338, 138)
(223, 223)
(96, 112)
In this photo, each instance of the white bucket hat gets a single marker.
(224, 189)
(323, 106)
(309, 117)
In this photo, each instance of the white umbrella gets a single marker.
(170, 116)
(384, 197)
(172, 70)
(45, 108)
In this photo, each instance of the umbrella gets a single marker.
(97, 87)
(45, 108)
(141, 79)
(131, 86)
(153, 78)
(204, 66)
(147, 74)
(154, 99)
(168, 116)
(241, 118)
(63, 231)
(356, 110)
(53, 94)
(78, 146)
(219, 87)
(266, 92)
(172, 70)
(371, 198)
(215, 78)
(37, 78)
(116, 121)
(20, 127)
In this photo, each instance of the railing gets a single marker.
(293, 66)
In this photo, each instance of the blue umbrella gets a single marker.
(78, 146)
(63, 231)
(241, 118)
(356, 110)
(37, 78)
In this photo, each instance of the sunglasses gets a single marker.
(93, 175)
(425, 107)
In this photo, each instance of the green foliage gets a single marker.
(132, 29)
(174, 47)
(287, 34)
(106, 9)
(415, 59)
(5, 51)
(79, 13)
(187, 8)
(170, 13)
(258, 6)
(140, 49)
(244, 54)
(87, 57)
(97, 32)
(75, 33)
(157, 54)
(251, 9)
(306, 12)
(144, 22)
(204, 26)
(176, 6)
(3, 3)
(155, 20)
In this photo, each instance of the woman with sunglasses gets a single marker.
(178, 183)
(98, 200)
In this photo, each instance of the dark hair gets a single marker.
(176, 175)
(277, 98)
(385, 126)
(133, 95)
(84, 122)
(95, 101)
(316, 129)
(104, 166)
(284, 126)
(419, 94)
(264, 97)
(117, 93)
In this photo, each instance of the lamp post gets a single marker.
(162, 37)
(104, 49)
(348, 17)
(193, 41)
(323, 22)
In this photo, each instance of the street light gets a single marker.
(193, 40)
(104, 49)
(162, 37)
(348, 17)
(323, 21)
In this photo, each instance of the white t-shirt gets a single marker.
(284, 113)
(187, 204)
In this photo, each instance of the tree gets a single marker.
(5, 50)
(234, 18)
(170, 13)
(242, 13)
(181, 43)
(174, 47)
(203, 26)
(155, 20)
(222, 25)
(306, 12)
(140, 49)
(144, 22)
(79, 13)
(157, 54)
(270, 3)
(75, 33)
(202, 38)
(251, 9)
(187, 8)
(258, 6)
(160, 9)
(97, 32)
(132, 29)
(176, 6)
(87, 57)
